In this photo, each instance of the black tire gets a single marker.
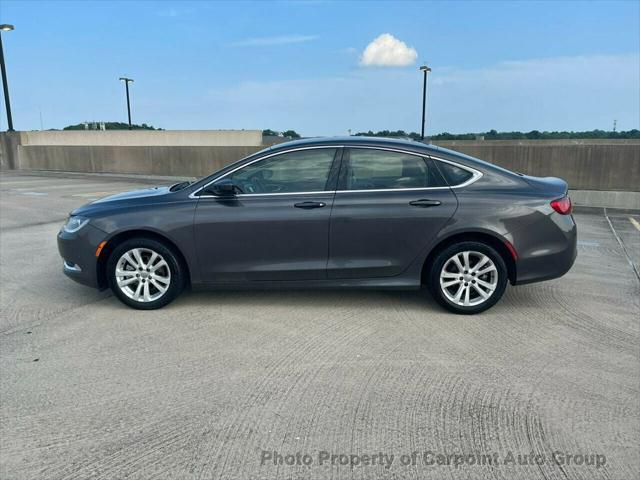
(437, 291)
(176, 276)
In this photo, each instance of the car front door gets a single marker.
(388, 207)
(277, 225)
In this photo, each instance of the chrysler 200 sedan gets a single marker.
(335, 212)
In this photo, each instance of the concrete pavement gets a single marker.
(203, 388)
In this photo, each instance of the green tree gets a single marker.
(291, 134)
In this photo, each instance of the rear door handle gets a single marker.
(423, 202)
(309, 205)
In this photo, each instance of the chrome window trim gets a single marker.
(393, 189)
(324, 192)
(476, 174)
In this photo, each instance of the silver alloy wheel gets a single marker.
(142, 275)
(468, 278)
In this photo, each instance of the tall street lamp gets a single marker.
(426, 70)
(126, 85)
(5, 28)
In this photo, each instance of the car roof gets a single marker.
(355, 141)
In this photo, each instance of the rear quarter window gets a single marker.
(454, 175)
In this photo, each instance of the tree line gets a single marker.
(495, 135)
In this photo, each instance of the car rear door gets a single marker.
(389, 206)
(277, 227)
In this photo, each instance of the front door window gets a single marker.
(294, 172)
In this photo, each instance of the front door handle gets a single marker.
(309, 205)
(423, 202)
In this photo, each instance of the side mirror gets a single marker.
(223, 188)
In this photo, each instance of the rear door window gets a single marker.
(370, 169)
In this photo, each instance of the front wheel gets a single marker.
(144, 274)
(468, 277)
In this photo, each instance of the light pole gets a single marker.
(426, 70)
(126, 86)
(5, 28)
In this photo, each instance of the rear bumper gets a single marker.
(78, 254)
(546, 250)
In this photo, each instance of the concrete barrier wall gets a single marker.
(168, 161)
(144, 138)
(9, 142)
(155, 152)
(599, 165)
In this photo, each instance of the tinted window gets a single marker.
(301, 171)
(454, 175)
(369, 169)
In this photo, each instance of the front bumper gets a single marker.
(78, 254)
(546, 250)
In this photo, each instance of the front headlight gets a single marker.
(74, 224)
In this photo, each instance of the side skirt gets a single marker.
(397, 283)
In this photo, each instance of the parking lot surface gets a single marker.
(219, 384)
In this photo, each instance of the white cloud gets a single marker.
(388, 51)
(270, 41)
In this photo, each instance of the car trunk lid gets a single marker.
(553, 185)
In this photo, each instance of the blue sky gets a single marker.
(300, 65)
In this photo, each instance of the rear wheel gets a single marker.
(144, 273)
(468, 277)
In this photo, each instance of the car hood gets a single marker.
(142, 193)
(122, 200)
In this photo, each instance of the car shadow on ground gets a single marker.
(345, 299)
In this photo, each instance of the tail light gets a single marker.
(562, 205)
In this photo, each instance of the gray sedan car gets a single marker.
(335, 212)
